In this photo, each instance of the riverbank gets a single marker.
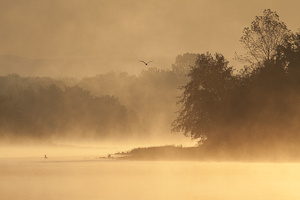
(204, 153)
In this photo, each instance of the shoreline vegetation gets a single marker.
(205, 153)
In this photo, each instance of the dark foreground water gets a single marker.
(91, 178)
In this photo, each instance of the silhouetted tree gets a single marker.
(262, 39)
(288, 57)
(203, 96)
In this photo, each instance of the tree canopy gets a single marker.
(263, 37)
(210, 78)
(251, 108)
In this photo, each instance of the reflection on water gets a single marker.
(89, 178)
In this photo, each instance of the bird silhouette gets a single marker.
(146, 63)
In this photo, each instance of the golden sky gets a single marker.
(118, 33)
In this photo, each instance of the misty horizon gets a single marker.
(105, 36)
(72, 99)
(149, 100)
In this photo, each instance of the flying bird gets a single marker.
(146, 63)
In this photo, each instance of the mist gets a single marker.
(84, 38)
(115, 108)
(149, 99)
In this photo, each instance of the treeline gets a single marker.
(41, 108)
(112, 105)
(255, 111)
(151, 94)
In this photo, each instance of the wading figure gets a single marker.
(45, 156)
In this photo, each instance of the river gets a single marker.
(87, 178)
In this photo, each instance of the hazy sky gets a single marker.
(118, 33)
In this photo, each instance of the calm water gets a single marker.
(90, 178)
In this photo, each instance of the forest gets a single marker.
(114, 106)
(250, 111)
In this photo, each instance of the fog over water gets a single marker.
(149, 100)
(89, 179)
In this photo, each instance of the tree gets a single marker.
(262, 39)
(203, 95)
(288, 57)
(184, 62)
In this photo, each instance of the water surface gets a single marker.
(92, 178)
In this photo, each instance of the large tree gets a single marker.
(203, 95)
(263, 37)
